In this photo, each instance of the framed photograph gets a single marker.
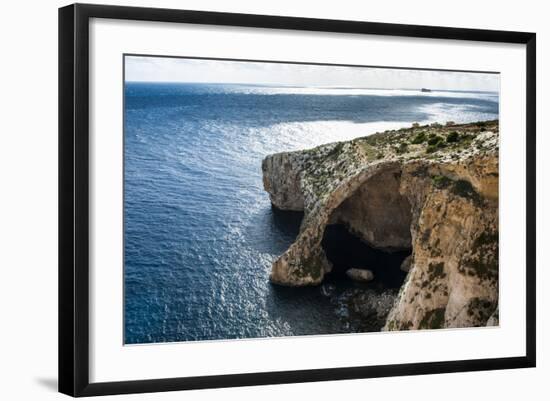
(250, 199)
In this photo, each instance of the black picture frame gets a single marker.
(74, 197)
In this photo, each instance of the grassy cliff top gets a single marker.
(325, 166)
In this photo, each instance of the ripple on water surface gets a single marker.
(200, 233)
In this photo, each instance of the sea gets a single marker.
(200, 233)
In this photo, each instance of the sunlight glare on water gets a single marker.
(200, 233)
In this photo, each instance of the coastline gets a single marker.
(432, 188)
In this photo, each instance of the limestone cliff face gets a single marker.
(453, 281)
(281, 176)
(433, 189)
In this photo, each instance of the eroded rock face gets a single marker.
(406, 264)
(282, 179)
(395, 191)
(453, 280)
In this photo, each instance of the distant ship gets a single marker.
(425, 90)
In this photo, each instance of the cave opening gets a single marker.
(345, 251)
(371, 230)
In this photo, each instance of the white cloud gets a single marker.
(166, 69)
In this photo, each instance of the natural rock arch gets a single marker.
(444, 205)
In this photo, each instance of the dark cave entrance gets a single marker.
(345, 251)
(374, 213)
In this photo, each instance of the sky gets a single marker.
(168, 69)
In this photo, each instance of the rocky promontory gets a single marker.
(431, 189)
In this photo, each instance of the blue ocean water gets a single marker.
(200, 234)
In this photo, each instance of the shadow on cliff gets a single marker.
(273, 230)
(347, 251)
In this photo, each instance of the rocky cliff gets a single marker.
(432, 189)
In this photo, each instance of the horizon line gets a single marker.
(305, 86)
